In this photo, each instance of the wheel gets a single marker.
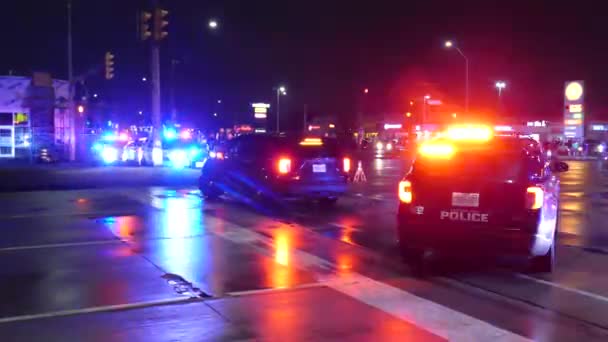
(544, 263)
(209, 190)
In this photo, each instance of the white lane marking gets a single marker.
(440, 320)
(96, 309)
(60, 245)
(274, 290)
(562, 287)
(435, 318)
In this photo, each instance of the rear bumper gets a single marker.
(519, 240)
(298, 189)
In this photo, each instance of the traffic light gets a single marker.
(144, 25)
(109, 65)
(160, 24)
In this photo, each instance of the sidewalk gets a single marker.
(72, 177)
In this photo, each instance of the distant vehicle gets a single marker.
(480, 194)
(133, 152)
(391, 148)
(277, 165)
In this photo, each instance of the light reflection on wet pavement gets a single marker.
(313, 265)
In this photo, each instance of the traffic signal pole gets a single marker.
(155, 72)
(70, 109)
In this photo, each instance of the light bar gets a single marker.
(469, 132)
(311, 142)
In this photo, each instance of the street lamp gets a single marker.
(144, 79)
(449, 44)
(500, 85)
(281, 90)
(213, 24)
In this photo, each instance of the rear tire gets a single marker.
(544, 263)
(210, 191)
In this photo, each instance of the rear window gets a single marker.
(328, 149)
(474, 164)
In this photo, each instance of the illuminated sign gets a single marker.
(503, 128)
(312, 127)
(393, 126)
(575, 108)
(599, 127)
(260, 130)
(537, 124)
(574, 91)
(260, 110)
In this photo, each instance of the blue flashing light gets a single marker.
(170, 134)
(179, 159)
(109, 136)
(109, 154)
(97, 147)
(194, 151)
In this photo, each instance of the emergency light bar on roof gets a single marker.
(311, 142)
(470, 133)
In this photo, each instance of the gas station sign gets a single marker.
(574, 118)
(260, 110)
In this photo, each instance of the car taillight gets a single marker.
(534, 197)
(284, 165)
(346, 164)
(405, 191)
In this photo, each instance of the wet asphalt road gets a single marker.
(161, 264)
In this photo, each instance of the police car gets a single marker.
(471, 192)
(276, 166)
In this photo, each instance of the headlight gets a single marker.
(379, 145)
(389, 146)
(109, 154)
(600, 148)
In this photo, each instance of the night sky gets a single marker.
(325, 52)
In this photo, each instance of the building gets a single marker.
(33, 115)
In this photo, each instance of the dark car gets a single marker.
(277, 165)
(496, 197)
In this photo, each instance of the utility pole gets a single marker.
(174, 63)
(305, 116)
(70, 109)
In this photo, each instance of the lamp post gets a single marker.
(281, 90)
(450, 44)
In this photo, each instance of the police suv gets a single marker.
(474, 192)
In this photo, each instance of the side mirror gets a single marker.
(559, 166)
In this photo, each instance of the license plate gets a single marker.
(318, 168)
(463, 199)
(198, 164)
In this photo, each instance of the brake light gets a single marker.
(284, 165)
(405, 191)
(346, 164)
(219, 155)
(534, 197)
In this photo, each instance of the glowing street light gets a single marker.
(281, 90)
(144, 79)
(213, 24)
(500, 85)
(450, 44)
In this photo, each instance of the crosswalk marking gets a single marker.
(435, 318)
